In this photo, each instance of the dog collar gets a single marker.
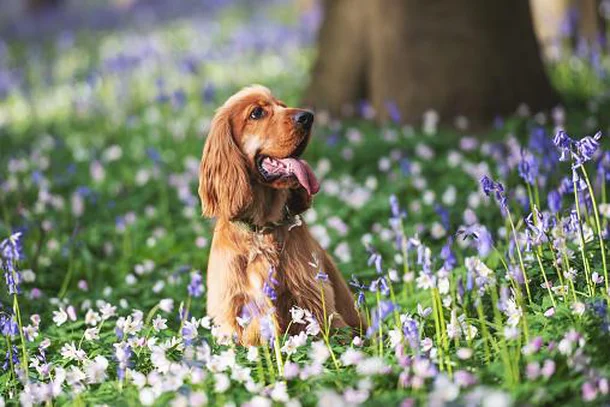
(292, 221)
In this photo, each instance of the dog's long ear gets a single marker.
(224, 184)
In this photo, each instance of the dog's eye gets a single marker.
(257, 113)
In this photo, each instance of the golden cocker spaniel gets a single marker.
(263, 258)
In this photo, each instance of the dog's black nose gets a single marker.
(304, 119)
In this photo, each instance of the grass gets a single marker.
(99, 172)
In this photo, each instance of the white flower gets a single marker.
(395, 337)
(95, 370)
(75, 376)
(107, 311)
(60, 317)
(443, 286)
(241, 374)
(138, 379)
(425, 281)
(453, 327)
(252, 355)
(371, 366)
(159, 323)
(319, 352)
(92, 317)
(166, 305)
(206, 322)
(513, 312)
(313, 328)
(351, 357)
(259, 401)
(69, 351)
(147, 396)
(221, 382)
(293, 342)
(297, 315)
(280, 392)
(197, 399)
(30, 332)
(92, 334)
(578, 308)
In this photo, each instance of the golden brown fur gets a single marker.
(233, 191)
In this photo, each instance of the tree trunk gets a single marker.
(549, 17)
(476, 58)
(36, 6)
(338, 80)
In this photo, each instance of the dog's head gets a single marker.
(254, 141)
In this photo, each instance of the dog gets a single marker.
(263, 259)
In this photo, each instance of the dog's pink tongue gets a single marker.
(303, 172)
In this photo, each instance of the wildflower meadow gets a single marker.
(480, 258)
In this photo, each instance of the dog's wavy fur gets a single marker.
(233, 191)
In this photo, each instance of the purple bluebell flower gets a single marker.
(122, 354)
(267, 327)
(443, 213)
(448, 256)
(8, 325)
(9, 356)
(564, 143)
(410, 330)
(528, 167)
(378, 314)
(354, 282)
(489, 187)
(542, 145)
(195, 287)
(393, 111)
(375, 258)
(481, 236)
(11, 251)
(586, 147)
(208, 93)
(405, 166)
(270, 284)
(603, 166)
(380, 284)
(424, 258)
(554, 201)
(536, 222)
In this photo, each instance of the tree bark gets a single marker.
(36, 6)
(476, 58)
(338, 80)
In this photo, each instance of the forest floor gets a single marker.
(473, 299)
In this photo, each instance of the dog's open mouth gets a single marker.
(274, 168)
